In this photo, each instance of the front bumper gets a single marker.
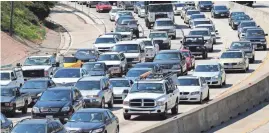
(142, 111)
(221, 14)
(213, 82)
(189, 98)
(105, 9)
(234, 67)
(205, 8)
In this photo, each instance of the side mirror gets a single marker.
(216, 31)
(266, 34)
(18, 64)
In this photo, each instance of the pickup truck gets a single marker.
(11, 77)
(12, 100)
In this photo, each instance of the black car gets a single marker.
(96, 69)
(6, 124)
(87, 55)
(220, 11)
(176, 62)
(93, 120)
(205, 5)
(38, 126)
(58, 102)
(196, 45)
(236, 13)
(256, 37)
(235, 20)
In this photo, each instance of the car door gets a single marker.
(169, 96)
(110, 88)
(114, 120)
(108, 123)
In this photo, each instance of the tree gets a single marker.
(41, 8)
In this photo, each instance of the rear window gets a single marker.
(70, 60)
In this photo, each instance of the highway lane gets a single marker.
(84, 35)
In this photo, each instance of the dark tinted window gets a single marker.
(161, 8)
(56, 95)
(148, 43)
(88, 85)
(206, 2)
(202, 22)
(164, 23)
(35, 85)
(120, 83)
(201, 32)
(93, 117)
(105, 40)
(231, 55)
(247, 24)
(241, 17)
(188, 82)
(7, 92)
(122, 29)
(5, 76)
(67, 73)
(70, 60)
(29, 128)
(167, 56)
(221, 8)
(95, 66)
(207, 68)
(147, 87)
(196, 16)
(255, 33)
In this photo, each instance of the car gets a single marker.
(105, 43)
(97, 69)
(125, 31)
(68, 75)
(245, 46)
(161, 38)
(122, 13)
(113, 12)
(121, 18)
(103, 6)
(12, 100)
(11, 77)
(220, 11)
(93, 120)
(71, 62)
(165, 24)
(150, 49)
(211, 28)
(152, 95)
(58, 102)
(199, 21)
(234, 61)
(205, 5)
(193, 89)
(133, 25)
(86, 55)
(133, 51)
(196, 44)
(35, 87)
(257, 38)
(234, 13)
(6, 124)
(189, 3)
(242, 33)
(92, 4)
(178, 8)
(137, 5)
(185, 9)
(28, 125)
(148, 65)
(126, 5)
(96, 91)
(121, 87)
(206, 33)
(246, 23)
(141, 11)
(188, 15)
(213, 73)
(115, 61)
(117, 35)
(134, 73)
(197, 16)
(235, 20)
(190, 59)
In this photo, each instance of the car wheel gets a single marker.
(214, 41)
(224, 83)
(25, 107)
(212, 16)
(265, 47)
(204, 56)
(102, 103)
(247, 68)
(163, 115)
(208, 96)
(220, 85)
(127, 116)
(201, 99)
(117, 129)
(111, 102)
(174, 110)
(13, 111)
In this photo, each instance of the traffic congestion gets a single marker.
(143, 73)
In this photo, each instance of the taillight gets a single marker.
(46, 73)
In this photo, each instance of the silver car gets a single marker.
(121, 87)
(165, 24)
(207, 37)
(188, 15)
(211, 28)
(245, 46)
(161, 38)
(195, 22)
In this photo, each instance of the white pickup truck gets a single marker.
(11, 77)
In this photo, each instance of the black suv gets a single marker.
(38, 126)
(58, 102)
(196, 45)
(257, 38)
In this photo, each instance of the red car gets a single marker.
(190, 59)
(103, 6)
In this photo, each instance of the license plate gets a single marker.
(222, 14)
(49, 116)
(230, 66)
(183, 96)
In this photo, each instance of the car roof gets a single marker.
(34, 121)
(193, 36)
(163, 19)
(201, 19)
(106, 36)
(255, 29)
(187, 77)
(205, 25)
(129, 42)
(61, 88)
(170, 51)
(92, 78)
(108, 53)
(199, 29)
(92, 110)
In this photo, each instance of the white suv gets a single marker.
(12, 77)
(153, 95)
(105, 43)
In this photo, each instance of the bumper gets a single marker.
(189, 98)
(214, 82)
(234, 67)
(58, 115)
(197, 53)
(119, 97)
(141, 111)
(115, 70)
(221, 15)
(177, 12)
(105, 9)
(164, 46)
(258, 45)
(92, 102)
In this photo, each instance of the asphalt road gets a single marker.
(84, 34)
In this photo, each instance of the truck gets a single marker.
(11, 76)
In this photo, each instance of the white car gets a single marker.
(105, 43)
(207, 37)
(151, 49)
(68, 76)
(193, 89)
(113, 12)
(11, 77)
(121, 88)
(141, 12)
(120, 13)
(178, 8)
(213, 73)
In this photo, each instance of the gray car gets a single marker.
(207, 37)
(165, 24)
(161, 38)
(121, 87)
(246, 47)
(195, 22)
(211, 28)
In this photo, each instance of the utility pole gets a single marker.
(11, 18)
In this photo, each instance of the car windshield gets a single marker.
(67, 73)
(161, 8)
(193, 12)
(237, 13)
(248, 24)
(116, 10)
(231, 55)
(195, 16)
(127, 48)
(90, 117)
(88, 85)
(241, 45)
(188, 82)
(208, 27)
(164, 23)
(191, 40)
(167, 56)
(206, 68)
(35, 85)
(186, 53)
(94, 66)
(5, 76)
(179, 4)
(120, 83)
(56, 95)
(246, 28)
(105, 40)
(252, 33)
(85, 52)
(201, 32)
(108, 57)
(124, 13)
(29, 128)
(136, 73)
(241, 17)
(221, 8)
(158, 35)
(148, 43)
(201, 22)
(7, 92)
(122, 29)
(206, 2)
(33, 61)
(70, 60)
(119, 21)
(147, 87)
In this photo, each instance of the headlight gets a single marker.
(160, 103)
(126, 103)
(195, 93)
(241, 63)
(215, 77)
(99, 130)
(262, 40)
(35, 110)
(65, 108)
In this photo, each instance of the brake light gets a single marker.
(46, 73)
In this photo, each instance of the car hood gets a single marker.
(82, 125)
(119, 90)
(5, 99)
(4, 82)
(233, 60)
(64, 80)
(125, 33)
(144, 96)
(96, 73)
(100, 45)
(89, 92)
(188, 88)
(131, 55)
(205, 74)
(164, 28)
(51, 104)
(32, 91)
(35, 67)
(111, 62)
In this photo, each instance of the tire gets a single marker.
(224, 83)
(118, 130)
(174, 110)
(163, 116)
(208, 96)
(265, 48)
(201, 99)
(247, 68)
(204, 55)
(252, 60)
(214, 41)
(220, 86)
(212, 49)
(13, 111)
(25, 107)
(102, 103)
(111, 102)
(127, 117)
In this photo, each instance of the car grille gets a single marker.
(157, 41)
(254, 40)
(207, 78)
(130, 59)
(33, 73)
(230, 63)
(49, 110)
(166, 66)
(142, 103)
(184, 93)
(161, 16)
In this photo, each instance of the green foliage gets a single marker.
(41, 8)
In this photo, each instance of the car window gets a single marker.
(111, 115)
(106, 115)
(52, 83)
(166, 87)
